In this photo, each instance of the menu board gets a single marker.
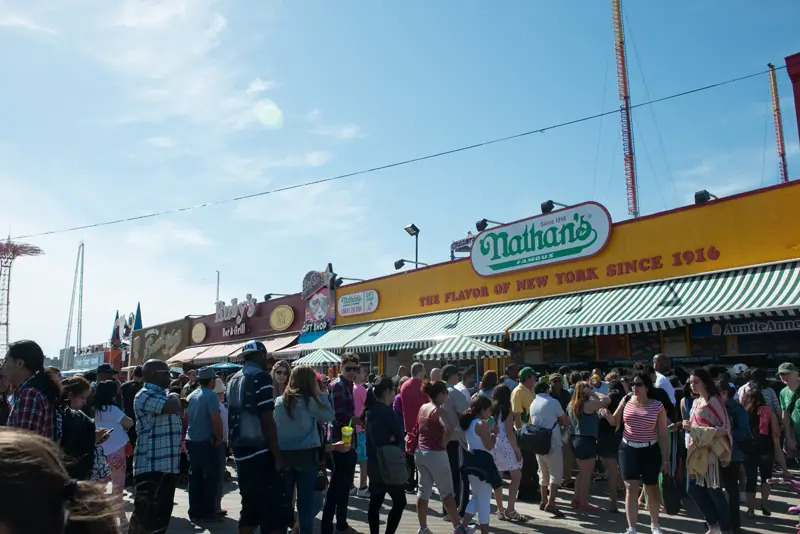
(645, 345)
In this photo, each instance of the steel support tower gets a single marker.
(9, 251)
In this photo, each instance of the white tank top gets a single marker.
(474, 441)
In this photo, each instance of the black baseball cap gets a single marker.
(106, 368)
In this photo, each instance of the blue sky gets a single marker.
(122, 108)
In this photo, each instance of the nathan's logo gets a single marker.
(575, 232)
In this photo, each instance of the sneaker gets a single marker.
(425, 530)
(630, 531)
(363, 493)
(655, 529)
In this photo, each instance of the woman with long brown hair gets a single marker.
(280, 376)
(39, 495)
(582, 410)
(488, 383)
(297, 413)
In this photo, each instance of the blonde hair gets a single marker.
(577, 400)
(280, 363)
(302, 383)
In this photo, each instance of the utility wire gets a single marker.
(395, 164)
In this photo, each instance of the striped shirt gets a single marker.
(641, 422)
(249, 394)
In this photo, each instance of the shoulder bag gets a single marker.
(535, 439)
(392, 465)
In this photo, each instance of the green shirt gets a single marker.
(786, 399)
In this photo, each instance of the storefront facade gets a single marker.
(715, 280)
(160, 342)
(219, 337)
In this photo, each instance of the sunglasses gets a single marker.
(351, 369)
(638, 384)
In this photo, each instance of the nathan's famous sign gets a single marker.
(576, 232)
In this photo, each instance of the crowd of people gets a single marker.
(655, 433)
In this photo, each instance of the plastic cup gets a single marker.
(347, 435)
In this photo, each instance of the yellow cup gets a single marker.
(347, 435)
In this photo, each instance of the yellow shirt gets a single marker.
(521, 399)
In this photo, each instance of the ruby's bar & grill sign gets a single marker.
(580, 231)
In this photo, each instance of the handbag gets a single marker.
(392, 465)
(412, 440)
(535, 439)
(669, 494)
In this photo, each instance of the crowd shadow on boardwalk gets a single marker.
(688, 521)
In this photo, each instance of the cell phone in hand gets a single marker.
(110, 430)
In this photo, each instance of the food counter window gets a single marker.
(611, 347)
(709, 346)
(554, 350)
(778, 343)
(675, 342)
(581, 349)
(644, 345)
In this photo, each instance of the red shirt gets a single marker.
(413, 398)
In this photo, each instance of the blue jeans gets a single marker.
(713, 505)
(309, 501)
(204, 474)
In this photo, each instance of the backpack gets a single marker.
(76, 436)
(745, 437)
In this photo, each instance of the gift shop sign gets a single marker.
(569, 234)
(358, 303)
(237, 312)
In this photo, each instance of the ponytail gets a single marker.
(479, 405)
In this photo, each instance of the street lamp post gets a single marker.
(217, 287)
(413, 230)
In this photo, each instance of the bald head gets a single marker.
(156, 372)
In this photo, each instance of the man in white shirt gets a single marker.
(467, 379)
(662, 366)
(546, 412)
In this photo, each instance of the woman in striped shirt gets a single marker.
(643, 453)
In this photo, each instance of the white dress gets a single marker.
(504, 457)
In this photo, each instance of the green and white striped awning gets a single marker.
(487, 323)
(461, 348)
(336, 338)
(767, 290)
(319, 357)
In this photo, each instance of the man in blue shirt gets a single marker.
(254, 440)
(203, 439)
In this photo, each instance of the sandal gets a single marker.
(501, 515)
(516, 517)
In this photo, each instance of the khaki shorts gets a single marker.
(551, 467)
(434, 468)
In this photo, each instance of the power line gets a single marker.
(392, 165)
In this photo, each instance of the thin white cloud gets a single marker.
(259, 86)
(163, 235)
(160, 142)
(15, 20)
(313, 115)
(342, 132)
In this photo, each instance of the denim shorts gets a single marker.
(584, 447)
(361, 447)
